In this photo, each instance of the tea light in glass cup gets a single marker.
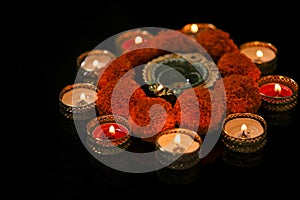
(279, 93)
(77, 101)
(178, 148)
(263, 54)
(244, 132)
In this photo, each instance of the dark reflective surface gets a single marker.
(46, 158)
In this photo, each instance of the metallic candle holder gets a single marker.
(181, 156)
(77, 101)
(279, 103)
(263, 54)
(108, 146)
(90, 63)
(244, 140)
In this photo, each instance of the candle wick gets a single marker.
(82, 102)
(244, 134)
(178, 149)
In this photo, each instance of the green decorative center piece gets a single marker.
(178, 72)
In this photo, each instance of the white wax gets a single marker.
(74, 96)
(250, 52)
(233, 127)
(167, 143)
(96, 61)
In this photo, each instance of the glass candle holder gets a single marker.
(90, 63)
(263, 54)
(244, 132)
(194, 29)
(108, 134)
(132, 39)
(77, 101)
(279, 93)
(178, 148)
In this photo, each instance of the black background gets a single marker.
(44, 160)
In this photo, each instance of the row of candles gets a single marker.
(242, 132)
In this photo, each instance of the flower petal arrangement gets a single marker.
(199, 108)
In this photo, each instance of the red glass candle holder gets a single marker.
(284, 99)
(102, 141)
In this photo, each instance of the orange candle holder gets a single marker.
(104, 144)
(278, 103)
(263, 54)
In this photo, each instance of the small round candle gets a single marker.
(263, 54)
(178, 143)
(110, 131)
(251, 128)
(279, 93)
(259, 54)
(275, 90)
(79, 97)
(244, 132)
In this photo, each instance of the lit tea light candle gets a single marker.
(178, 143)
(78, 100)
(279, 93)
(194, 29)
(178, 148)
(275, 90)
(108, 134)
(244, 132)
(90, 63)
(263, 54)
(110, 131)
(95, 60)
(132, 39)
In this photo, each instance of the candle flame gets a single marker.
(259, 53)
(194, 28)
(82, 96)
(177, 139)
(111, 129)
(138, 40)
(277, 87)
(243, 127)
(95, 63)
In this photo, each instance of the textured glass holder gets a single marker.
(77, 112)
(266, 67)
(244, 145)
(107, 146)
(178, 161)
(279, 104)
